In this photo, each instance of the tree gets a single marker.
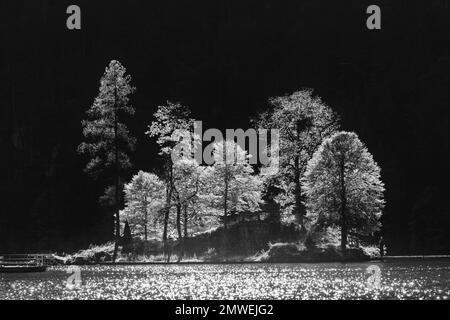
(233, 185)
(186, 183)
(108, 140)
(343, 188)
(303, 121)
(144, 195)
(127, 238)
(168, 120)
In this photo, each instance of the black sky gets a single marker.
(223, 59)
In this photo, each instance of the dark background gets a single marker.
(223, 59)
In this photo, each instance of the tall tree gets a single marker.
(303, 121)
(167, 121)
(343, 188)
(108, 141)
(144, 197)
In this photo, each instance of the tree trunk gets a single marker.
(298, 191)
(166, 219)
(180, 235)
(166, 222)
(145, 219)
(185, 222)
(299, 208)
(344, 227)
(116, 160)
(298, 212)
(168, 203)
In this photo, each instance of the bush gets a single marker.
(281, 252)
(293, 252)
(372, 251)
(92, 255)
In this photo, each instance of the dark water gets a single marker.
(398, 280)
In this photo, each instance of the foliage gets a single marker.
(303, 121)
(167, 120)
(144, 197)
(104, 132)
(190, 184)
(232, 185)
(343, 188)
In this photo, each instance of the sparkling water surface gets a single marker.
(398, 280)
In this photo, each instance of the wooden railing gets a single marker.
(26, 259)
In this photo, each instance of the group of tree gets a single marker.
(199, 197)
(327, 178)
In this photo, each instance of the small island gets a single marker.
(317, 196)
(225, 150)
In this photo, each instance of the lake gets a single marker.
(397, 280)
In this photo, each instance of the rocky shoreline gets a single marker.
(277, 253)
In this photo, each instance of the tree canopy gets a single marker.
(108, 141)
(233, 186)
(144, 197)
(343, 187)
(104, 130)
(303, 121)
